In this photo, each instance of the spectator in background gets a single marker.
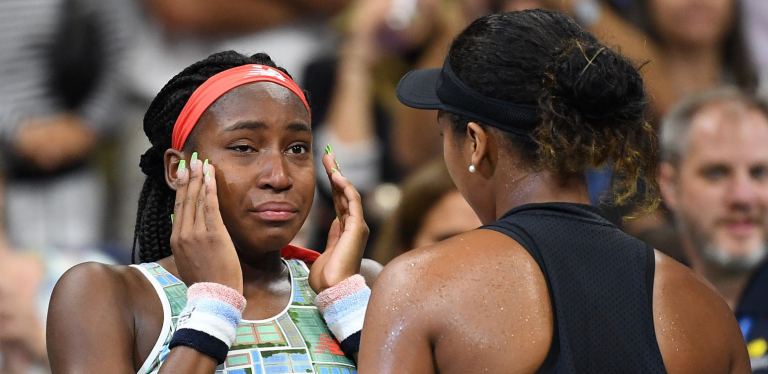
(690, 45)
(701, 43)
(26, 283)
(376, 139)
(755, 15)
(22, 337)
(59, 65)
(431, 209)
(714, 177)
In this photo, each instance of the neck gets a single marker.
(694, 69)
(258, 271)
(267, 268)
(729, 285)
(541, 187)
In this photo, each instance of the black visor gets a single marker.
(442, 89)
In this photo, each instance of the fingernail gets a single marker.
(193, 161)
(334, 170)
(182, 169)
(207, 172)
(328, 149)
(337, 163)
(171, 218)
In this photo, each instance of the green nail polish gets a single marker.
(194, 158)
(337, 163)
(334, 170)
(182, 164)
(328, 149)
(205, 166)
(171, 218)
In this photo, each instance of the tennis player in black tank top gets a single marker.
(526, 102)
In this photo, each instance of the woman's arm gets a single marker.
(396, 337)
(92, 329)
(203, 17)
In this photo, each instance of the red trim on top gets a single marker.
(292, 252)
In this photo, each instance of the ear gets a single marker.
(171, 160)
(478, 146)
(668, 180)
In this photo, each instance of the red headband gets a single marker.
(218, 85)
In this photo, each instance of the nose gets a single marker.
(274, 174)
(743, 190)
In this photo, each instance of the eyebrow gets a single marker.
(257, 125)
(247, 125)
(298, 127)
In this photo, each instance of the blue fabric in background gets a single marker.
(598, 182)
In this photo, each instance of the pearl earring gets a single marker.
(472, 168)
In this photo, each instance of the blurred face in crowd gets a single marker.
(692, 23)
(719, 189)
(450, 216)
(515, 5)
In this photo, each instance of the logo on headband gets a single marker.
(265, 72)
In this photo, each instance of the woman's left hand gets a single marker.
(348, 235)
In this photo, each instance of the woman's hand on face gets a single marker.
(202, 248)
(348, 234)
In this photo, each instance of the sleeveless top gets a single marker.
(600, 282)
(295, 341)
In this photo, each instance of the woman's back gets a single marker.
(481, 303)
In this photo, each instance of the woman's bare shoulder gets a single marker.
(476, 288)
(695, 328)
(92, 314)
(463, 265)
(120, 290)
(95, 277)
(479, 243)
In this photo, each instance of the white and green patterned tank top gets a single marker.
(294, 341)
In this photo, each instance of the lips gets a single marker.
(275, 211)
(741, 227)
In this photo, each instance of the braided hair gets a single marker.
(153, 218)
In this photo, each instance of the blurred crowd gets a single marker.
(76, 77)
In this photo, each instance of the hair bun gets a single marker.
(602, 86)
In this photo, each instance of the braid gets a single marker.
(152, 232)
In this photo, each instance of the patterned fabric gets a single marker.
(295, 341)
(752, 314)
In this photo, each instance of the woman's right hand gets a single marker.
(348, 234)
(202, 248)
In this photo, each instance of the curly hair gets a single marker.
(152, 232)
(590, 99)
